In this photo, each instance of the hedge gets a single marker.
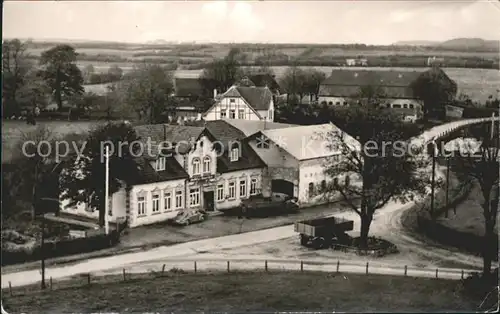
(61, 248)
(419, 220)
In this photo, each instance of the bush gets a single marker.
(484, 288)
(59, 248)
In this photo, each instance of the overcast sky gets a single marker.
(353, 21)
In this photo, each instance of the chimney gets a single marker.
(215, 93)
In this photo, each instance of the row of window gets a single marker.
(231, 192)
(406, 106)
(158, 202)
(207, 161)
(232, 114)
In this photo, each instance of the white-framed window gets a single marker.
(196, 166)
(167, 200)
(235, 154)
(243, 187)
(194, 197)
(178, 199)
(241, 114)
(232, 190)
(232, 114)
(232, 100)
(141, 205)
(223, 114)
(253, 186)
(160, 164)
(156, 202)
(206, 164)
(220, 192)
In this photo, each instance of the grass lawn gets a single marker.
(469, 217)
(245, 291)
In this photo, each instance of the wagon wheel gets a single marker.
(304, 240)
(319, 243)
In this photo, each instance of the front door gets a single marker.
(208, 198)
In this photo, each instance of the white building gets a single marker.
(296, 158)
(243, 103)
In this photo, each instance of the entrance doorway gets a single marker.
(282, 186)
(208, 198)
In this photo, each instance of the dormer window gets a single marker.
(160, 164)
(235, 154)
(196, 166)
(206, 164)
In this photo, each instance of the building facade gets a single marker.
(243, 103)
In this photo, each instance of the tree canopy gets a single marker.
(61, 72)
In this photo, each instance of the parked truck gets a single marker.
(324, 232)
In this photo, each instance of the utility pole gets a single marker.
(433, 176)
(447, 184)
(106, 191)
(42, 252)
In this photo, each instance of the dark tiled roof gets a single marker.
(177, 133)
(225, 133)
(156, 132)
(188, 87)
(146, 174)
(347, 83)
(258, 98)
(262, 80)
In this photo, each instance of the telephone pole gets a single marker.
(106, 191)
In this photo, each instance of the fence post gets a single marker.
(228, 268)
(301, 265)
(124, 276)
(88, 278)
(462, 274)
(266, 264)
(406, 270)
(367, 268)
(10, 288)
(50, 283)
(338, 265)
(163, 269)
(195, 267)
(436, 273)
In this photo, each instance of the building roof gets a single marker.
(259, 98)
(265, 79)
(347, 83)
(146, 174)
(188, 87)
(307, 142)
(249, 127)
(227, 134)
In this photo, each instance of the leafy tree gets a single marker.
(483, 167)
(147, 91)
(115, 73)
(384, 172)
(435, 89)
(34, 91)
(83, 179)
(88, 72)
(61, 73)
(314, 78)
(293, 83)
(222, 74)
(15, 68)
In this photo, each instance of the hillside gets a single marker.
(471, 43)
(416, 43)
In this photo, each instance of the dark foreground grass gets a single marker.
(246, 291)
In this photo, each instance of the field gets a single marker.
(12, 131)
(239, 292)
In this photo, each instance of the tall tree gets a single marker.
(82, 181)
(148, 91)
(482, 167)
(15, 68)
(61, 73)
(381, 169)
(293, 83)
(314, 78)
(222, 74)
(435, 89)
(87, 73)
(115, 73)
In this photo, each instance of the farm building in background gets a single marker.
(357, 62)
(435, 61)
(345, 85)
